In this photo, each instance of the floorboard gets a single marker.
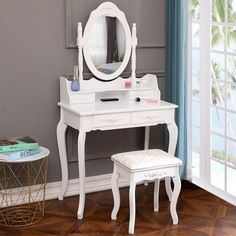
(200, 214)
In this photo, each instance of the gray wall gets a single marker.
(37, 46)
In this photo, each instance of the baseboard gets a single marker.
(92, 184)
(18, 196)
(214, 190)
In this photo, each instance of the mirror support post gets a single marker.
(80, 53)
(133, 58)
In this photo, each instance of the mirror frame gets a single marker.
(107, 9)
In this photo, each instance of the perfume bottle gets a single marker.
(75, 85)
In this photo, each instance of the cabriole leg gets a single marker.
(116, 194)
(81, 162)
(168, 187)
(176, 191)
(61, 142)
(173, 134)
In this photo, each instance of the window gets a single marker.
(212, 40)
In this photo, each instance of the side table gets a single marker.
(22, 189)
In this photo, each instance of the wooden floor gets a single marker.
(200, 214)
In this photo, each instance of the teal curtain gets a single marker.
(176, 71)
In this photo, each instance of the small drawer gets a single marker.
(156, 174)
(150, 116)
(111, 119)
(143, 94)
(77, 98)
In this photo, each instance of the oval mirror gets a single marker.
(107, 42)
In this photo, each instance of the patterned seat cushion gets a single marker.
(145, 159)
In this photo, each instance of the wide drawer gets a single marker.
(151, 116)
(111, 119)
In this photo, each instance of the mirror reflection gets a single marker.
(106, 44)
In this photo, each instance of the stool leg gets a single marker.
(168, 187)
(175, 195)
(116, 194)
(156, 194)
(132, 206)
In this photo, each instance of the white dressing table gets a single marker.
(84, 110)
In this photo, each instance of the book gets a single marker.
(12, 156)
(17, 144)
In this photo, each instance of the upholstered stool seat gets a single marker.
(138, 166)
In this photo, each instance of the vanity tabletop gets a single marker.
(116, 107)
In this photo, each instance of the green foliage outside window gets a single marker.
(219, 33)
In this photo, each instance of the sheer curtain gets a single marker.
(176, 67)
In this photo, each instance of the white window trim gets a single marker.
(204, 101)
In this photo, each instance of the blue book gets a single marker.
(15, 144)
(12, 156)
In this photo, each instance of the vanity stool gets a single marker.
(138, 166)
